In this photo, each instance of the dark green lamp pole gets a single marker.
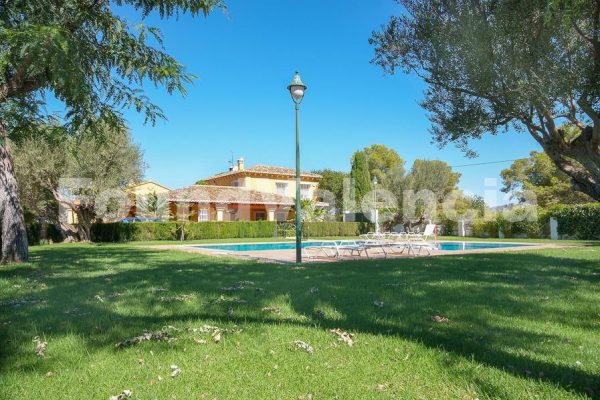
(297, 89)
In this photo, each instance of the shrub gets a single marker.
(330, 228)
(485, 227)
(581, 221)
(120, 232)
(525, 224)
(34, 230)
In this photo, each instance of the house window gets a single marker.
(281, 188)
(260, 216)
(305, 191)
(235, 183)
(202, 215)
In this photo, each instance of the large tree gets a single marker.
(538, 176)
(86, 172)
(89, 57)
(433, 175)
(383, 162)
(494, 64)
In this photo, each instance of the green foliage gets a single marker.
(33, 233)
(516, 222)
(361, 176)
(382, 162)
(492, 65)
(538, 176)
(581, 221)
(434, 175)
(332, 229)
(332, 182)
(107, 162)
(121, 232)
(89, 56)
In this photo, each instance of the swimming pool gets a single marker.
(446, 246)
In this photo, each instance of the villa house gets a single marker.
(132, 192)
(243, 194)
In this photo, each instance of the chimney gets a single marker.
(240, 164)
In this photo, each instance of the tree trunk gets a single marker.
(12, 224)
(69, 232)
(580, 161)
(85, 216)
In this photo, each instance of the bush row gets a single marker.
(579, 221)
(491, 228)
(330, 228)
(34, 233)
(120, 232)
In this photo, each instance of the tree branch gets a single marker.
(595, 117)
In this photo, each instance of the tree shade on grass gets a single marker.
(520, 325)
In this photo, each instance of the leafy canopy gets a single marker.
(383, 162)
(87, 56)
(494, 64)
(538, 176)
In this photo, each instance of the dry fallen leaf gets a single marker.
(175, 370)
(216, 336)
(304, 346)
(147, 335)
(199, 341)
(99, 298)
(381, 387)
(125, 394)
(378, 303)
(40, 346)
(314, 290)
(440, 319)
(49, 374)
(343, 336)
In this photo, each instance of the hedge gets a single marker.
(120, 232)
(34, 233)
(580, 221)
(524, 225)
(324, 229)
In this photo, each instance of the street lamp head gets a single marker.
(297, 89)
(374, 180)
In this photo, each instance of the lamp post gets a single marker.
(375, 204)
(297, 89)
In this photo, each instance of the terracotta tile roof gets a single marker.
(226, 195)
(267, 170)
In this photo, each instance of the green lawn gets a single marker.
(521, 325)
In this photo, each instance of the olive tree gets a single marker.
(87, 172)
(494, 64)
(89, 57)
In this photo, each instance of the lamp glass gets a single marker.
(297, 92)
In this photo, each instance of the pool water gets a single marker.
(447, 246)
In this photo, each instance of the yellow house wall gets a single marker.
(146, 188)
(268, 185)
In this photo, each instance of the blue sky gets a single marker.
(245, 57)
